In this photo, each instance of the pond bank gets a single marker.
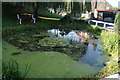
(110, 44)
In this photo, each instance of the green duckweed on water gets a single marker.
(48, 64)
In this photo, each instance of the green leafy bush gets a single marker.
(110, 42)
(117, 22)
(96, 31)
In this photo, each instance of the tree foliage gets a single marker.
(37, 7)
(88, 6)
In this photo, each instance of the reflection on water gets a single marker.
(56, 32)
(71, 36)
(92, 56)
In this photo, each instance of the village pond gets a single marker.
(55, 40)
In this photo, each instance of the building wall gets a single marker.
(108, 5)
(101, 4)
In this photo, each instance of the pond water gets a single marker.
(93, 57)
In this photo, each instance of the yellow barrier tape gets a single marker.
(48, 18)
(26, 14)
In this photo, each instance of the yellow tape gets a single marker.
(48, 18)
(26, 14)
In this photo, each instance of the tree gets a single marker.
(67, 6)
(76, 8)
(84, 5)
(88, 6)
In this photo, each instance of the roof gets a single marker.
(104, 10)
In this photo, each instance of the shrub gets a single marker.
(110, 42)
(66, 19)
(96, 31)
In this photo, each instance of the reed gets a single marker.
(12, 71)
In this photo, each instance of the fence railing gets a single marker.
(105, 25)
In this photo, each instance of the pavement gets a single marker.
(112, 77)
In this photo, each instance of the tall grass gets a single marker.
(11, 71)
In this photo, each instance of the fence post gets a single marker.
(20, 21)
(104, 25)
(96, 23)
